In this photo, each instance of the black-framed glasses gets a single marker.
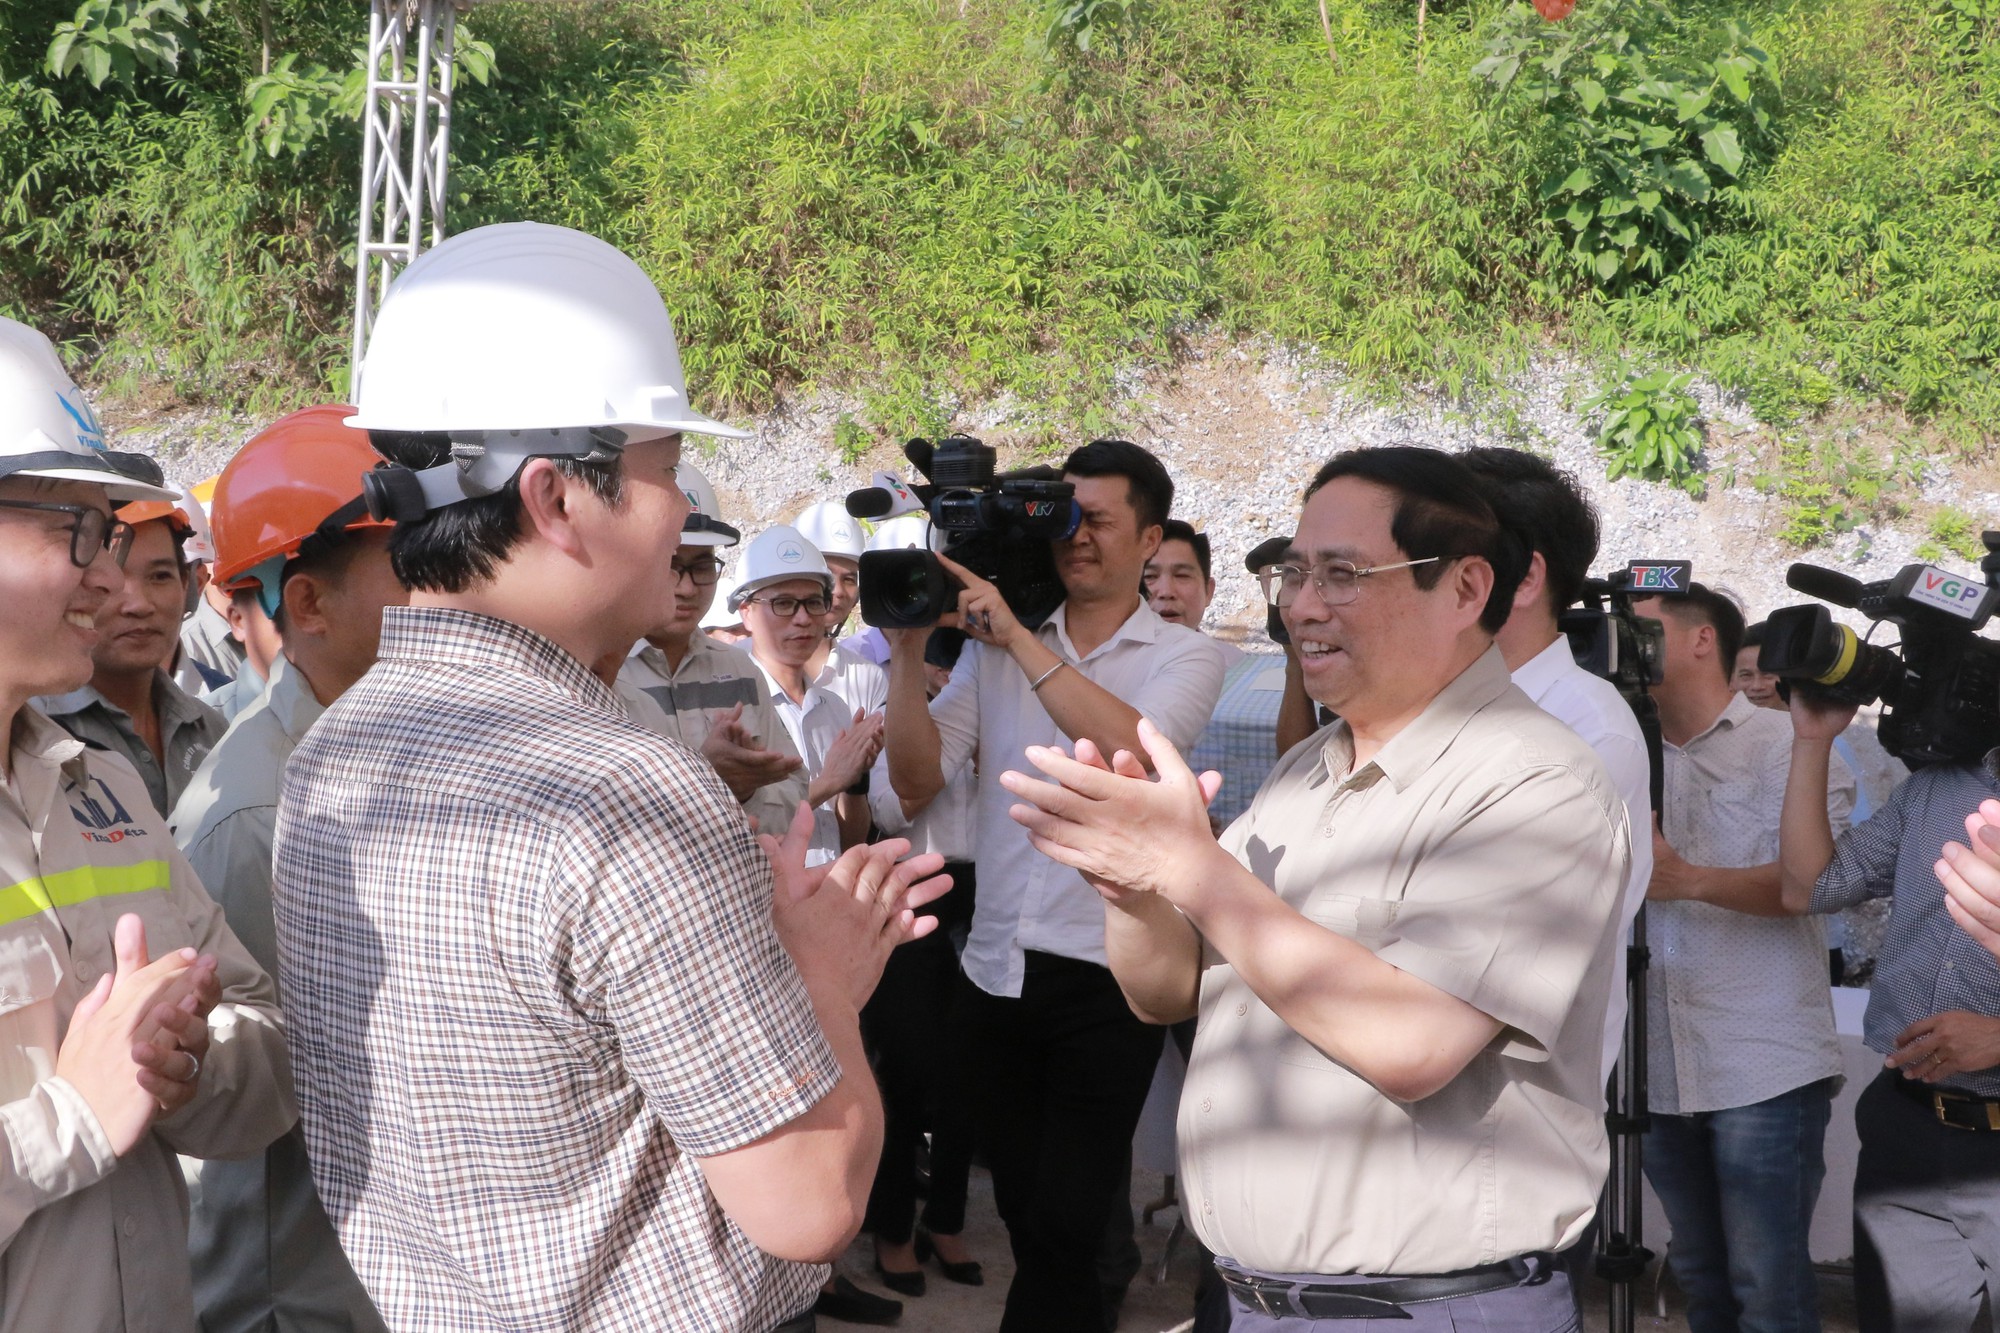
(90, 531)
(702, 571)
(1336, 581)
(784, 608)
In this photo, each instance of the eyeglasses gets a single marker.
(1336, 581)
(701, 573)
(784, 608)
(90, 531)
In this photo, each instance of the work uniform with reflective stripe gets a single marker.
(89, 1241)
(189, 729)
(710, 681)
(266, 1257)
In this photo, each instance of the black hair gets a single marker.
(1442, 510)
(1150, 489)
(1548, 512)
(1704, 605)
(450, 549)
(326, 555)
(1753, 637)
(1180, 530)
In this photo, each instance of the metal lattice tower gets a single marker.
(405, 148)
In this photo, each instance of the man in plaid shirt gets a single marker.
(568, 1058)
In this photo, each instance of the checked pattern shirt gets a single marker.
(530, 966)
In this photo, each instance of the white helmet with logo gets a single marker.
(47, 428)
(905, 532)
(777, 554)
(830, 527)
(704, 526)
(522, 340)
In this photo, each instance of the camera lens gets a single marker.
(1804, 645)
(904, 589)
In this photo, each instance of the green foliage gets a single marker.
(925, 204)
(1645, 141)
(1830, 485)
(1953, 532)
(112, 40)
(290, 108)
(851, 438)
(1651, 430)
(1079, 23)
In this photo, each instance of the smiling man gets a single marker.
(1406, 943)
(131, 706)
(109, 1063)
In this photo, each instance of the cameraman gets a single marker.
(1741, 1049)
(1060, 1066)
(1926, 1208)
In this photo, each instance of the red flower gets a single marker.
(1555, 11)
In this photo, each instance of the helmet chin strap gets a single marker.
(482, 463)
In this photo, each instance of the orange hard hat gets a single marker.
(298, 478)
(146, 511)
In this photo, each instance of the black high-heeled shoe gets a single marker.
(903, 1284)
(966, 1273)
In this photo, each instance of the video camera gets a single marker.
(998, 525)
(1617, 643)
(1941, 694)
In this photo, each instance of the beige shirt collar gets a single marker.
(1409, 754)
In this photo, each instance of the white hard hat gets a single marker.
(721, 614)
(524, 326)
(47, 428)
(519, 341)
(704, 526)
(776, 554)
(903, 533)
(830, 527)
(201, 546)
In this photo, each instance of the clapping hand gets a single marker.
(840, 921)
(1125, 832)
(1970, 873)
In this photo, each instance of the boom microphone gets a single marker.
(1828, 585)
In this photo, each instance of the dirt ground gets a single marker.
(1162, 1299)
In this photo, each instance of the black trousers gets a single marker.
(1058, 1078)
(906, 1025)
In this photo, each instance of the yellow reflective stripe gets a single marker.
(70, 887)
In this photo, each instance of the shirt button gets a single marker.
(1242, 1009)
(131, 1227)
(1208, 1104)
(1207, 1207)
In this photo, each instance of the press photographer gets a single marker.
(1059, 1064)
(1926, 1217)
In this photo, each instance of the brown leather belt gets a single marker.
(1954, 1110)
(1381, 1298)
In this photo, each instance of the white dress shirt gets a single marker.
(1591, 707)
(814, 724)
(1169, 673)
(853, 677)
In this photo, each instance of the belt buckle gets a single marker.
(1274, 1299)
(1939, 1099)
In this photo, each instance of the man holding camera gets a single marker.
(1926, 1210)
(1742, 1056)
(1060, 1064)
(1401, 954)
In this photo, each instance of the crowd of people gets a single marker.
(500, 893)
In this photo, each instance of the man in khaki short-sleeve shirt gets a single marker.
(1480, 851)
(1401, 954)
